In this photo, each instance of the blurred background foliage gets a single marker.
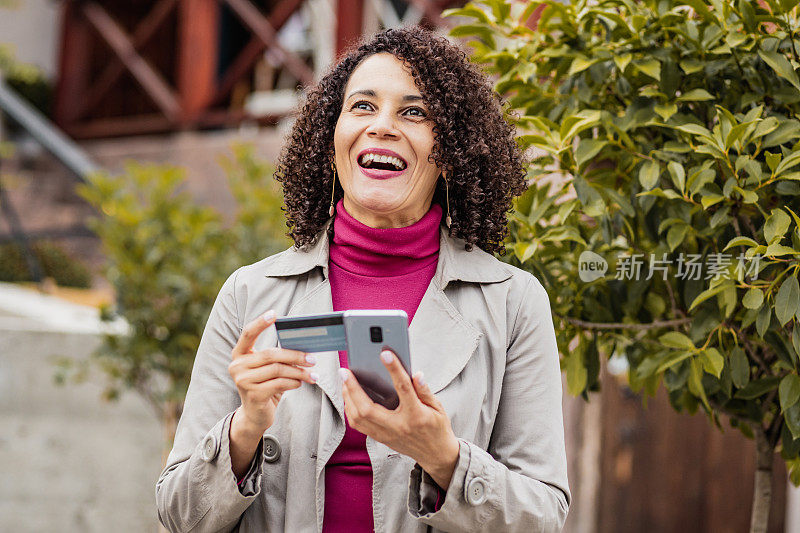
(56, 264)
(167, 257)
(669, 128)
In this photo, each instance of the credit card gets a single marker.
(312, 333)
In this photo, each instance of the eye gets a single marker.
(415, 112)
(362, 104)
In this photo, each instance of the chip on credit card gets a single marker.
(312, 333)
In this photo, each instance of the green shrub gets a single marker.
(167, 259)
(55, 263)
(674, 125)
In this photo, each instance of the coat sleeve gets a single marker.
(198, 474)
(520, 482)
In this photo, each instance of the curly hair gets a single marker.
(473, 144)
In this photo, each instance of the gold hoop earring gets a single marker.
(447, 220)
(333, 188)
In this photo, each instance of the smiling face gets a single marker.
(382, 143)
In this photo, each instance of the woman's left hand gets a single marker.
(419, 427)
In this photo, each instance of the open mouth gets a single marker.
(381, 162)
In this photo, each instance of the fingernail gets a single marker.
(421, 378)
(310, 359)
(268, 316)
(314, 376)
(343, 374)
(386, 356)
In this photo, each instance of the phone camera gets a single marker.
(376, 334)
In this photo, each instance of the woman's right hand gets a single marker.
(261, 378)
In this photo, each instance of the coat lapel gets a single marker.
(441, 340)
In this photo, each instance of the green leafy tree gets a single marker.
(167, 257)
(665, 133)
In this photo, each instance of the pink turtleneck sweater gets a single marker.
(371, 269)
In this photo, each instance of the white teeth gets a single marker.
(368, 158)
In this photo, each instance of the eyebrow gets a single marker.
(370, 92)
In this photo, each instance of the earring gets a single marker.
(333, 188)
(447, 220)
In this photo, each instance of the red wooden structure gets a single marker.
(145, 66)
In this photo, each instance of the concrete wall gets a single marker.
(69, 462)
(32, 29)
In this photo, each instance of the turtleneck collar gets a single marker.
(382, 252)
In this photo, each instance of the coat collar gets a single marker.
(455, 263)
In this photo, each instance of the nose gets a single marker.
(383, 126)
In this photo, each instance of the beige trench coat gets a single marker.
(483, 336)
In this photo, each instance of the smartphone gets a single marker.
(368, 333)
(364, 334)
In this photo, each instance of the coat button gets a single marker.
(476, 491)
(209, 448)
(272, 450)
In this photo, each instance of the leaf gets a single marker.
(748, 14)
(695, 383)
(740, 241)
(701, 8)
(576, 373)
(787, 300)
(671, 360)
(757, 388)
(736, 133)
(710, 199)
(708, 293)
(712, 361)
(753, 298)
(763, 320)
(768, 125)
(650, 67)
(796, 339)
(481, 31)
(720, 217)
(524, 250)
(587, 149)
(467, 11)
(592, 201)
(690, 66)
(695, 95)
(696, 129)
(574, 124)
(740, 368)
(748, 196)
(622, 61)
(777, 250)
(648, 174)
(776, 225)
(781, 66)
(792, 418)
(675, 236)
(788, 5)
(675, 339)
(787, 131)
(581, 63)
(665, 111)
(789, 391)
(792, 160)
(794, 216)
(523, 202)
(678, 175)
(772, 160)
(698, 179)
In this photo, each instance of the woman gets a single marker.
(400, 135)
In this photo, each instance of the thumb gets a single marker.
(424, 392)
